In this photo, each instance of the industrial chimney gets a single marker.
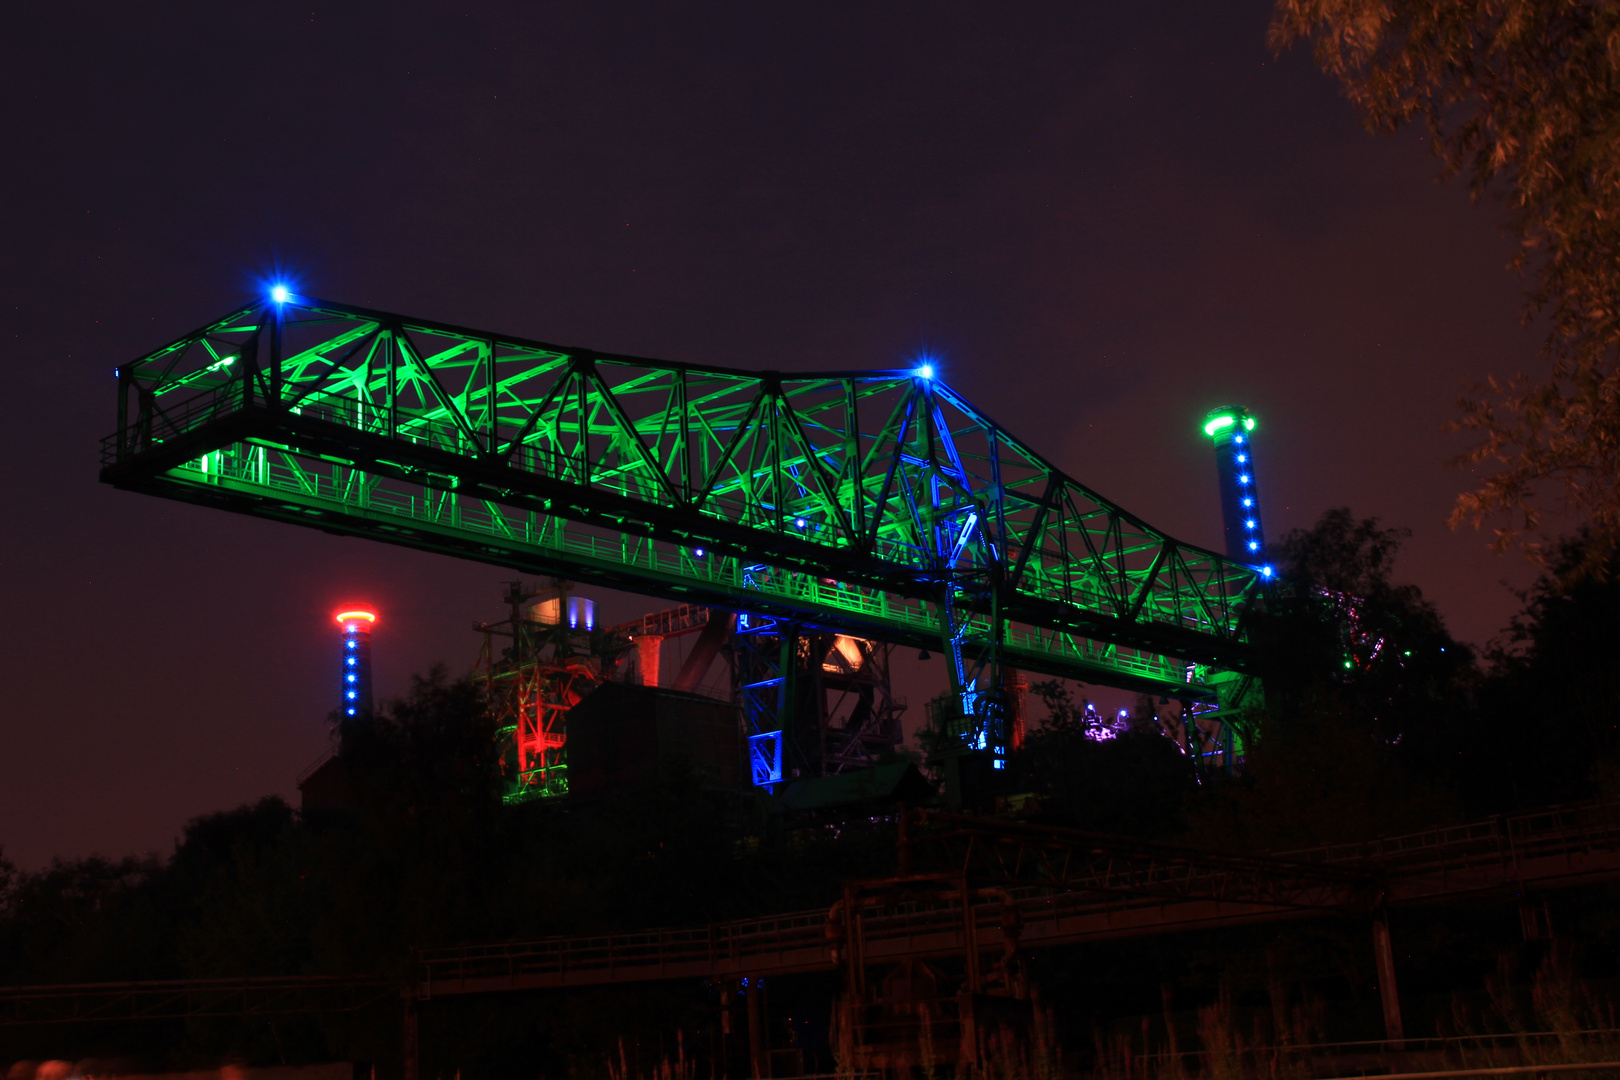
(1232, 429)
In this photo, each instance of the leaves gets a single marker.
(1126, 777)
(1522, 98)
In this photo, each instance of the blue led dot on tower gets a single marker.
(1232, 428)
(354, 674)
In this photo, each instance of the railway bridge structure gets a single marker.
(879, 504)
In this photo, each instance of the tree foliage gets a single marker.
(1522, 98)
(1365, 695)
(426, 854)
(1547, 730)
(1338, 633)
(1129, 779)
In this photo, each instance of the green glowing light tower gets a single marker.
(1232, 429)
(1221, 737)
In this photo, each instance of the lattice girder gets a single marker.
(752, 490)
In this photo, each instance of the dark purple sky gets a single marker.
(1105, 219)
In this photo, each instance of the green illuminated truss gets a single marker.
(877, 503)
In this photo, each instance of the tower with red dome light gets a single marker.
(354, 662)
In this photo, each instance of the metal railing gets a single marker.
(801, 940)
(1504, 840)
(807, 940)
(256, 469)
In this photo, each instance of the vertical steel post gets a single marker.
(728, 993)
(970, 937)
(1394, 1033)
(275, 356)
(122, 443)
(1277, 989)
(250, 364)
(386, 340)
(758, 1057)
(410, 1045)
(787, 694)
(648, 653)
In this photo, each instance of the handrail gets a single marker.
(743, 939)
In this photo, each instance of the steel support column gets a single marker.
(1388, 992)
(649, 650)
(409, 1045)
(759, 1057)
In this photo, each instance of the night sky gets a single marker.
(1102, 219)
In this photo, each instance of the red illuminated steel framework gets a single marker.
(548, 654)
(535, 665)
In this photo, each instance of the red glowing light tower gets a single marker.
(354, 676)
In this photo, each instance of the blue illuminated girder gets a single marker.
(877, 503)
(765, 758)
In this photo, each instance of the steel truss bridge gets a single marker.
(874, 503)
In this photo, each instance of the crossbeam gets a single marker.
(876, 503)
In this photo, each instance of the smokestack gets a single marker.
(1232, 429)
(354, 663)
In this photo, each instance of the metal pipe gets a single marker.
(1515, 1070)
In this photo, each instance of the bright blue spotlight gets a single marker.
(698, 552)
(279, 294)
(1248, 502)
(1242, 458)
(351, 693)
(351, 712)
(1249, 524)
(1244, 479)
(800, 522)
(1237, 438)
(926, 371)
(1254, 545)
(1267, 571)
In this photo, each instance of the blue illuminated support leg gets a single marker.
(765, 758)
(760, 649)
(971, 724)
(787, 691)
